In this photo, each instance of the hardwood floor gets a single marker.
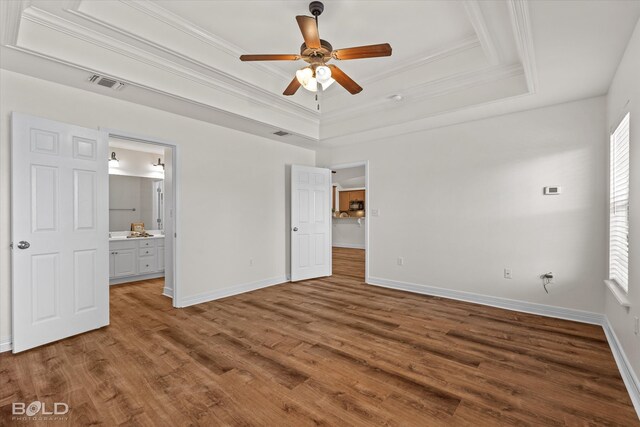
(323, 352)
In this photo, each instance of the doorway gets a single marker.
(350, 222)
(142, 213)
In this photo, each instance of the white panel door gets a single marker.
(310, 222)
(59, 226)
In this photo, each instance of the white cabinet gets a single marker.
(146, 264)
(132, 258)
(124, 262)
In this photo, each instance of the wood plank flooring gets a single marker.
(323, 352)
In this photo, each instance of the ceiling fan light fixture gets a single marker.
(323, 74)
(306, 79)
(304, 75)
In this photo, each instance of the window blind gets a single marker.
(619, 205)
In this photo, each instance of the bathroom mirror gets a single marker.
(135, 199)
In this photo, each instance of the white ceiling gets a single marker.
(452, 60)
(350, 177)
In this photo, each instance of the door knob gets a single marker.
(295, 228)
(23, 245)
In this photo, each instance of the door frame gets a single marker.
(170, 240)
(367, 211)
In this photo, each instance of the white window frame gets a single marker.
(619, 193)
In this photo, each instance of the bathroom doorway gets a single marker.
(142, 214)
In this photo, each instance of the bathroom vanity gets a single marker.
(132, 259)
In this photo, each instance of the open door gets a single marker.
(60, 229)
(310, 222)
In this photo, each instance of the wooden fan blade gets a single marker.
(275, 57)
(309, 29)
(292, 88)
(344, 80)
(371, 51)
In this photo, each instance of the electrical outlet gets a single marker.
(507, 273)
(375, 212)
(400, 261)
(636, 327)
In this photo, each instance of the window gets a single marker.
(619, 205)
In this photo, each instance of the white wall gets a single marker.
(626, 88)
(477, 205)
(234, 180)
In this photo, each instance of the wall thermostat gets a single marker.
(552, 191)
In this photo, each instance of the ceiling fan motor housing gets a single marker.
(316, 8)
(315, 55)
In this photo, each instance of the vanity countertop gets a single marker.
(116, 236)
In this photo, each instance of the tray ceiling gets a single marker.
(452, 60)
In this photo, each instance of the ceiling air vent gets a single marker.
(106, 82)
(281, 133)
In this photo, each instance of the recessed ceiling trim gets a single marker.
(428, 58)
(430, 89)
(243, 85)
(479, 24)
(446, 118)
(192, 102)
(163, 15)
(12, 11)
(521, 24)
(244, 90)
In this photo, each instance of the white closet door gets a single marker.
(60, 229)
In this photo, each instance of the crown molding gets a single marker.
(523, 34)
(220, 81)
(238, 82)
(474, 12)
(11, 12)
(430, 89)
(427, 58)
(231, 115)
(161, 14)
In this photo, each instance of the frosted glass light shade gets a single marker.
(323, 74)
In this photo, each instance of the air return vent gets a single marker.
(106, 82)
(281, 133)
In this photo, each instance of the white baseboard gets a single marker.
(5, 344)
(234, 290)
(505, 303)
(167, 292)
(626, 371)
(348, 245)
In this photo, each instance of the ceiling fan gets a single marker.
(317, 53)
